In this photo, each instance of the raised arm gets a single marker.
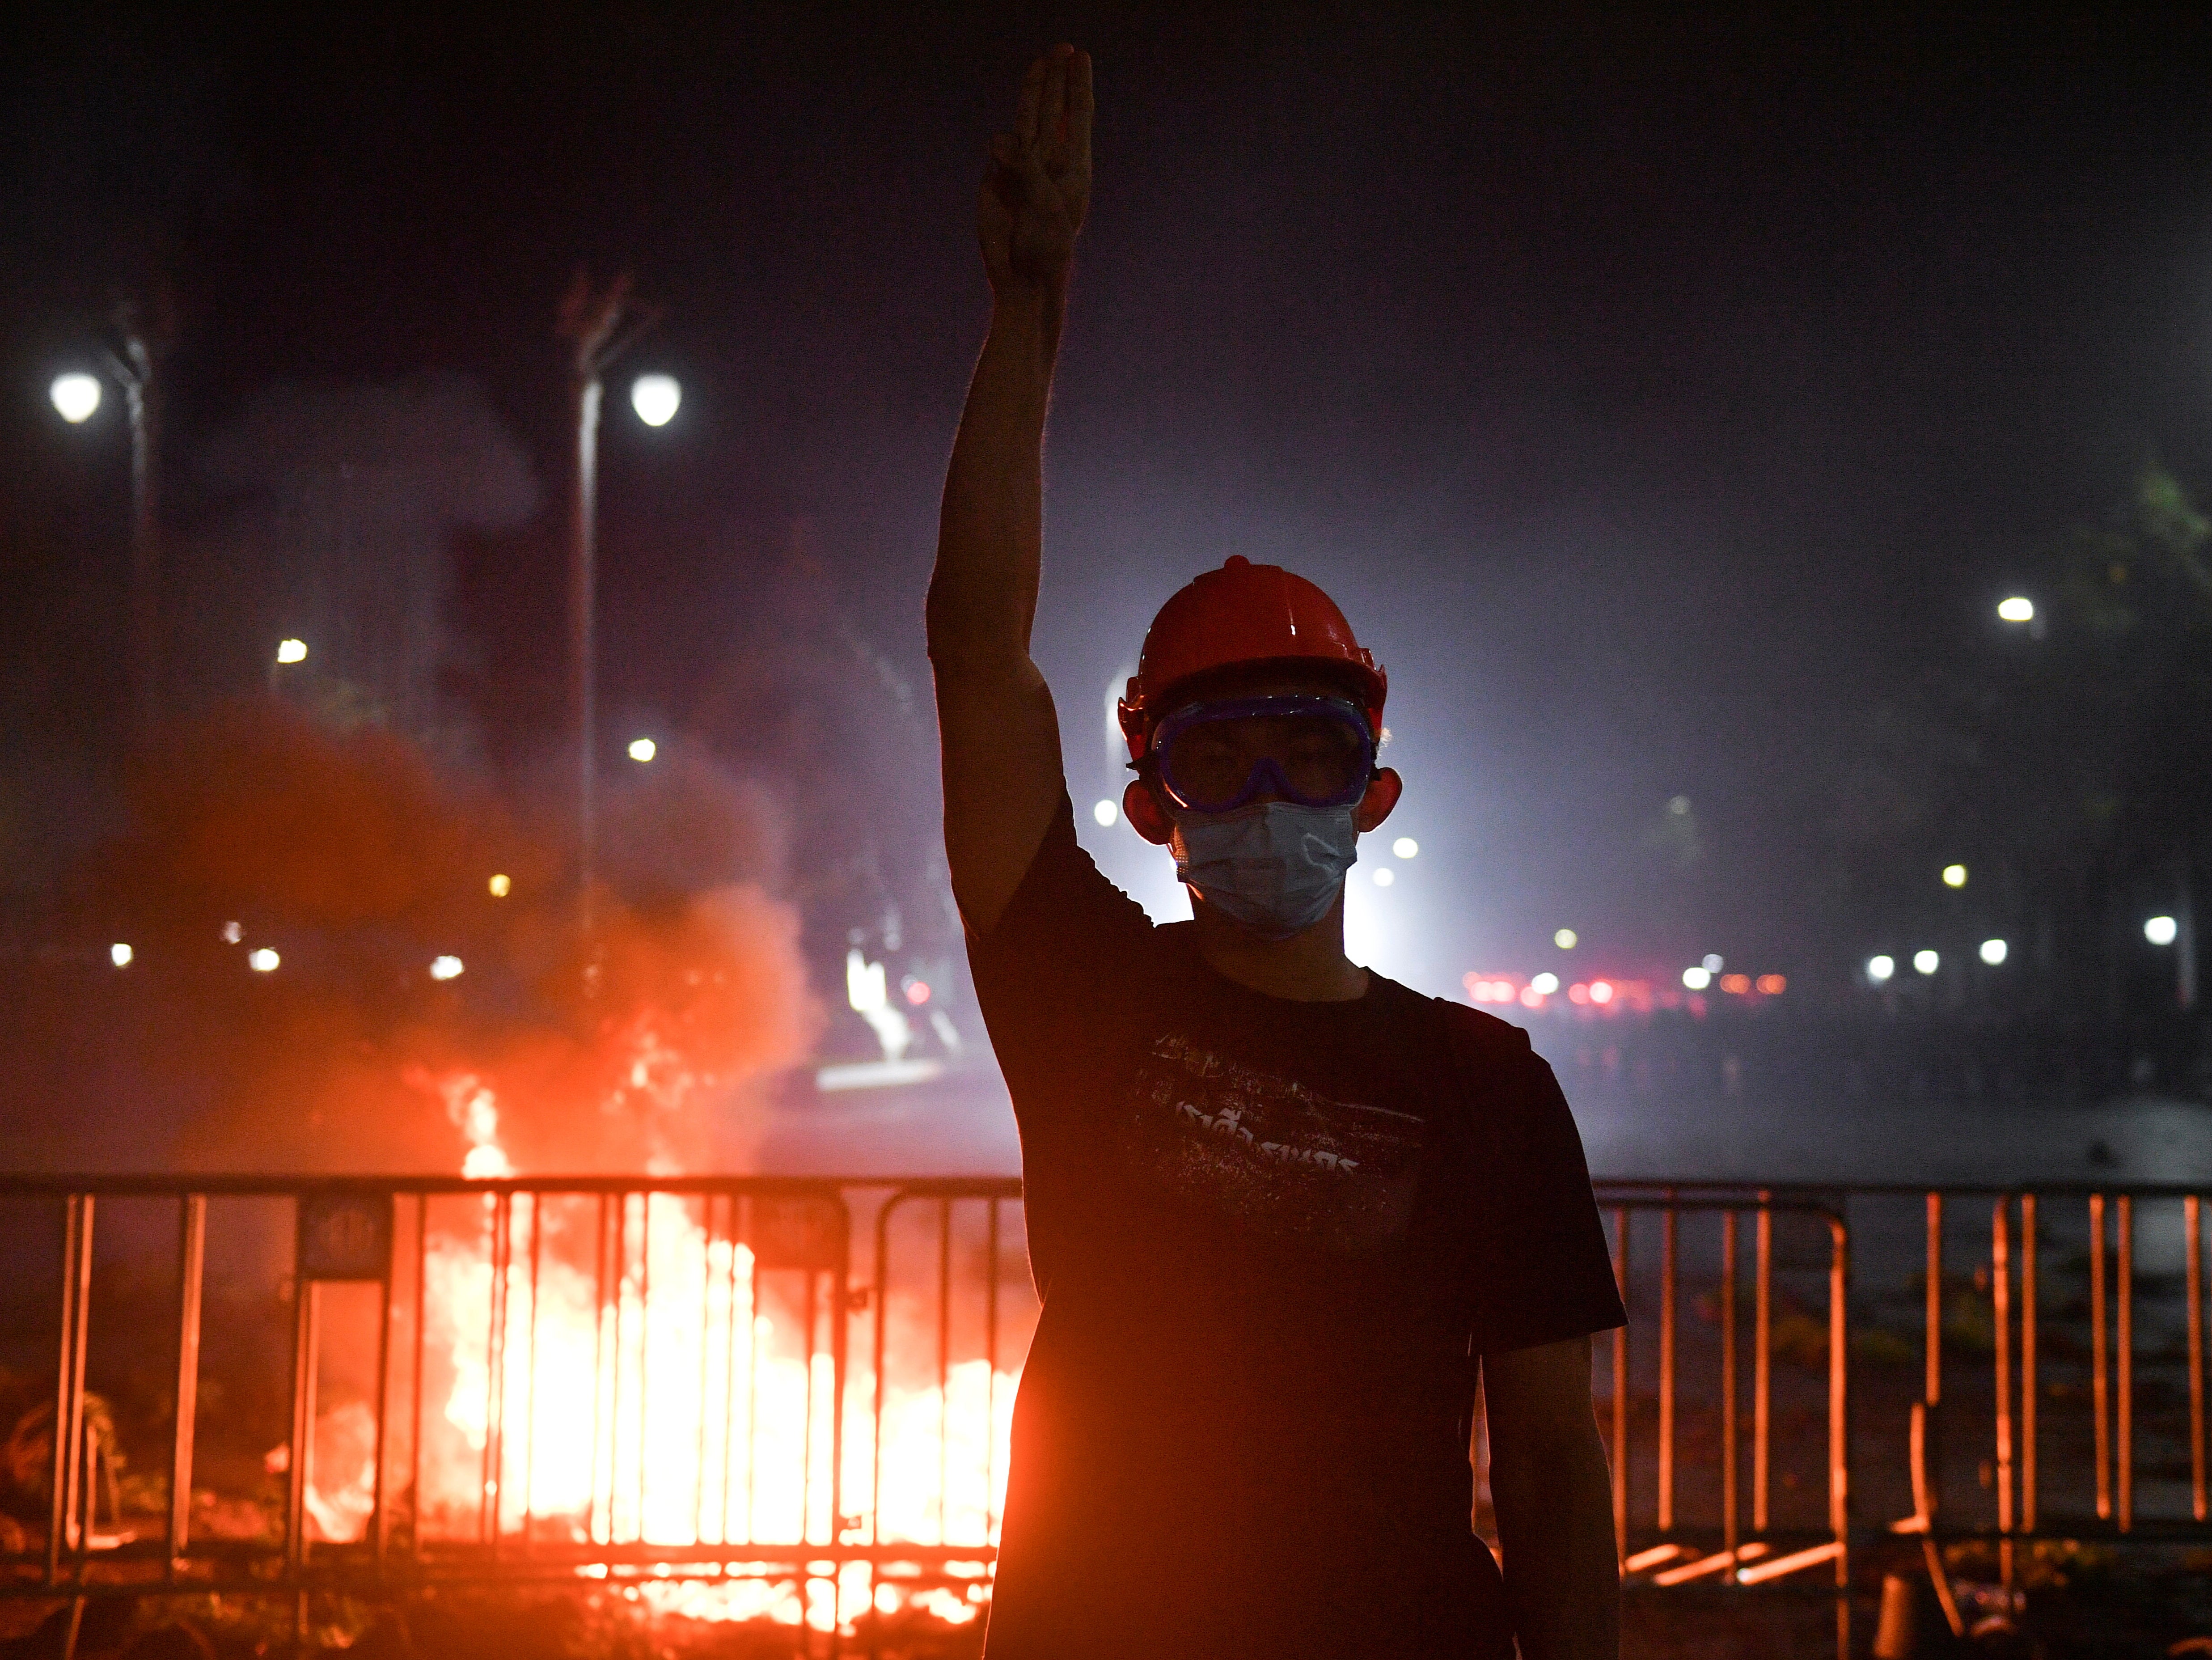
(995, 721)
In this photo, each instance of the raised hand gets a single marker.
(1038, 184)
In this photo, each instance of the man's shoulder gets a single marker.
(1471, 1032)
(1482, 1032)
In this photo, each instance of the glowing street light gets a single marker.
(291, 651)
(446, 968)
(1545, 984)
(1384, 876)
(1994, 951)
(656, 398)
(262, 960)
(135, 348)
(1926, 962)
(2161, 930)
(1106, 814)
(1954, 876)
(2017, 609)
(1712, 962)
(119, 954)
(1404, 847)
(1564, 939)
(500, 886)
(1696, 978)
(76, 397)
(643, 749)
(1879, 968)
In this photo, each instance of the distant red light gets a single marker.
(917, 992)
(1483, 989)
(1601, 992)
(1531, 998)
(1738, 984)
(1772, 984)
(1578, 993)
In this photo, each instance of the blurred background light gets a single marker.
(1105, 812)
(2018, 609)
(291, 651)
(2161, 930)
(1772, 985)
(501, 886)
(643, 749)
(262, 960)
(1954, 876)
(656, 398)
(1926, 962)
(1384, 876)
(1712, 961)
(1601, 992)
(233, 933)
(1697, 978)
(1547, 984)
(445, 968)
(1564, 939)
(1879, 968)
(1994, 950)
(76, 396)
(1404, 847)
(119, 954)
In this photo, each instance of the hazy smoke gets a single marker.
(340, 502)
(360, 864)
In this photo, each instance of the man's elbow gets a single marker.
(959, 641)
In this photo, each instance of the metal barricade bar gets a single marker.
(618, 1324)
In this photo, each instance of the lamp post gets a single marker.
(598, 324)
(140, 335)
(138, 343)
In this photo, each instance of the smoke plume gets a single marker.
(408, 1012)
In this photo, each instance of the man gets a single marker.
(1280, 1208)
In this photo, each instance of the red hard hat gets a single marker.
(1244, 615)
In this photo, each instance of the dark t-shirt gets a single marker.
(1269, 1235)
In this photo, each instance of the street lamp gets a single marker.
(643, 749)
(2017, 609)
(76, 397)
(656, 398)
(288, 653)
(134, 352)
(599, 325)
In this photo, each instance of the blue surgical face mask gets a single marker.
(1274, 866)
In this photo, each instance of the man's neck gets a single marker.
(1306, 968)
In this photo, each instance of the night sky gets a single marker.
(1652, 395)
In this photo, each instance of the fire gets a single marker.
(659, 1383)
(473, 1108)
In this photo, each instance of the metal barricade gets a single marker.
(794, 1395)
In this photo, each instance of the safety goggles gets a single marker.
(1217, 756)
